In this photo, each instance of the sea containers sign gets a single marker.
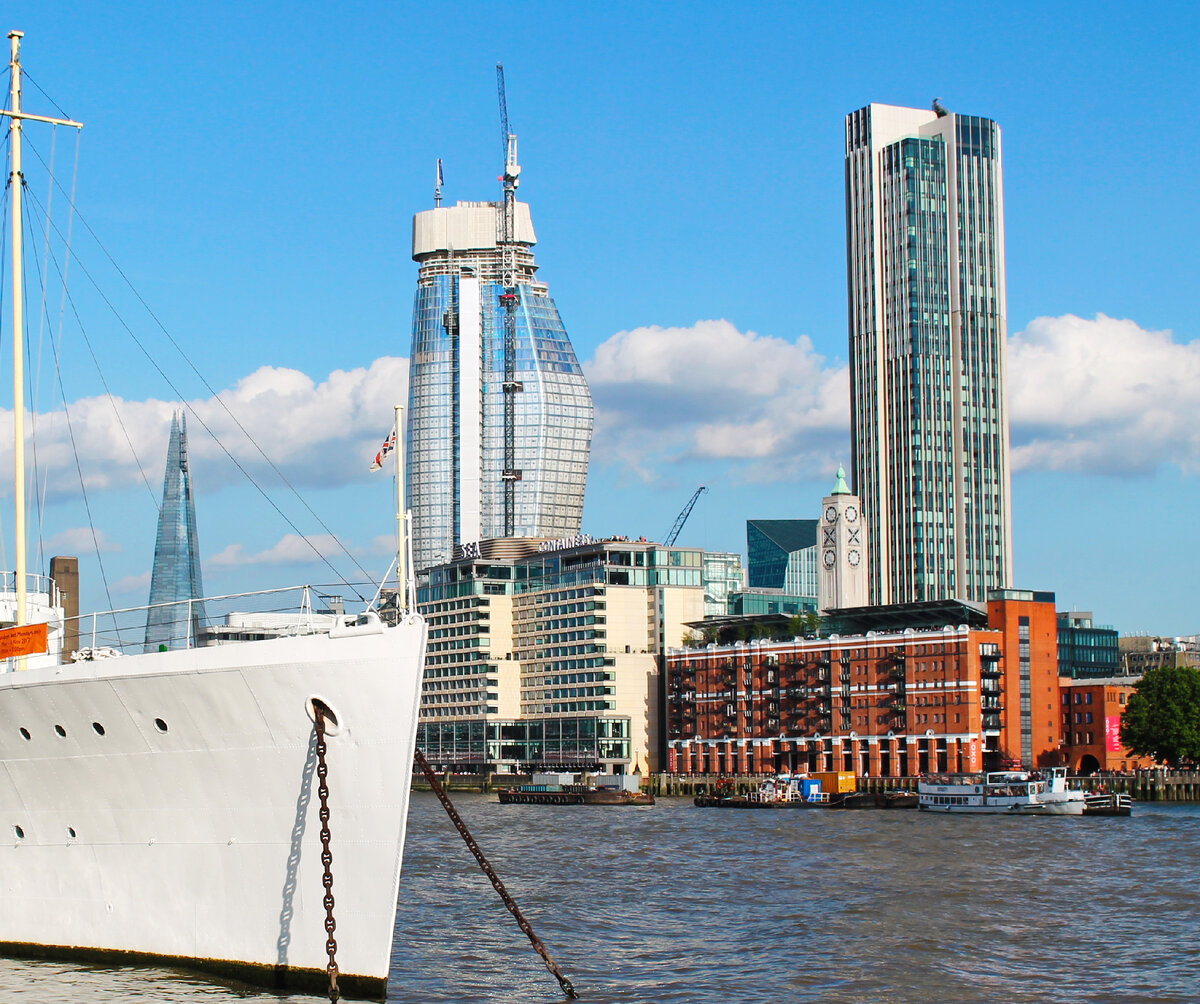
(1112, 733)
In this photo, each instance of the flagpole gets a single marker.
(402, 602)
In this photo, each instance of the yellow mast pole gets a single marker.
(18, 327)
(18, 302)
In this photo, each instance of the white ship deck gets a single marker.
(163, 805)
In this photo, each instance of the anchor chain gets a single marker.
(509, 902)
(326, 853)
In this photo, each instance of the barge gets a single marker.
(555, 789)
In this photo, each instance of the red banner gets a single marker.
(28, 639)
(1112, 733)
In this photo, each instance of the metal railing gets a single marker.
(209, 620)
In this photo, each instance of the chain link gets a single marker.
(509, 902)
(326, 854)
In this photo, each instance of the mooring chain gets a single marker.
(509, 902)
(326, 854)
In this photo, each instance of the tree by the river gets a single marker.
(1162, 718)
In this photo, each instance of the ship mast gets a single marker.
(15, 181)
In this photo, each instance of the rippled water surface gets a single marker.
(678, 904)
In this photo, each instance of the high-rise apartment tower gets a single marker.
(456, 470)
(925, 271)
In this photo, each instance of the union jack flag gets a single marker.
(389, 444)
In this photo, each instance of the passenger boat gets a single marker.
(237, 808)
(1008, 793)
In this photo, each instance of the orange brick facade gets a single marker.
(881, 704)
(1028, 625)
(1091, 725)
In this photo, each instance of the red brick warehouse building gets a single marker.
(898, 690)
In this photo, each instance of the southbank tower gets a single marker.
(928, 328)
(176, 612)
(499, 412)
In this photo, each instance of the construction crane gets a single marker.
(677, 526)
(508, 300)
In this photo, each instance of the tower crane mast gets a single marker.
(677, 526)
(508, 300)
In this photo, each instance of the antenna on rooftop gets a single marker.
(437, 187)
(939, 109)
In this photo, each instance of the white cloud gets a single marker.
(322, 434)
(291, 549)
(139, 583)
(1104, 396)
(711, 392)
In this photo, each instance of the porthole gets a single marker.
(160, 725)
(25, 733)
(71, 832)
(99, 729)
(19, 832)
(60, 730)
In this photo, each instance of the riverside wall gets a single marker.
(1145, 786)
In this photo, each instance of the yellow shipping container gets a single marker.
(835, 782)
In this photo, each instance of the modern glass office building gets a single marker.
(927, 319)
(782, 555)
(456, 442)
(176, 613)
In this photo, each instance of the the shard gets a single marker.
(176, 613)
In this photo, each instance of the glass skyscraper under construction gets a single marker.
(176, 612)
(927, 318)
(455, 470)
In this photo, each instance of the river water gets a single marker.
(678, 904)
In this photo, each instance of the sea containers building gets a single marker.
(544, 655)
(456, 467)
(899, 691)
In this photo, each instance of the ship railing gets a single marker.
(212, 620)
(34, 583)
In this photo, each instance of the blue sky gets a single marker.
(253, 168)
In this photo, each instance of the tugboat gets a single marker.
(1107, 803)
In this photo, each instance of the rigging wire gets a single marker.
(216, 397)
(74, 448)
(62, 311)
(42, 300)
(35, 377)
(57, 349)
(207, 428)
(25, 76)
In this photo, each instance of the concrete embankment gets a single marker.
(1150, 786)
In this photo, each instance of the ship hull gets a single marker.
(176, 820)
